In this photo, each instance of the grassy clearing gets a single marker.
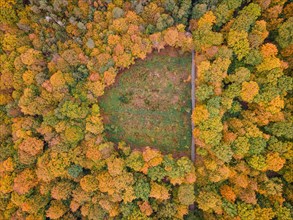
(150, 104)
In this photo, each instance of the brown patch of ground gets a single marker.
(149, 104)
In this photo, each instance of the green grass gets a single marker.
(150, 104)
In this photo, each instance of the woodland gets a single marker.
(59, 59)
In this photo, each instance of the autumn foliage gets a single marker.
(58, 57)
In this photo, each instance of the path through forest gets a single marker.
(193, 75)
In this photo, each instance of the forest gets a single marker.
(59, 58)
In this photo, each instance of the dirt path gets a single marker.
(193, 75)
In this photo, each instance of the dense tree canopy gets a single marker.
(56, 59)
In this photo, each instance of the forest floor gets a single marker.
(150, 103)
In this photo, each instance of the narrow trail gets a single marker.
(193, 76)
